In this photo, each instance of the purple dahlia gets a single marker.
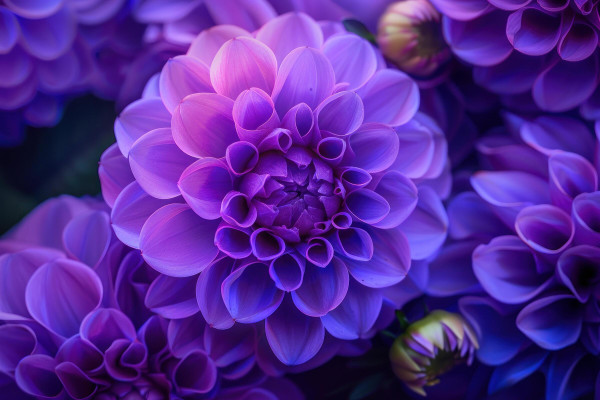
(280, 173)
(545, 48)
(531, 224)
(74, 325)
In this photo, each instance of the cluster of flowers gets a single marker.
(280, 186)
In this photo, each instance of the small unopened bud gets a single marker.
(410, 35)
(430, 347)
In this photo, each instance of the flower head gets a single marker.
(410, 35)
(277, 174)
(75, 322)
(430, 347)
(545, 48)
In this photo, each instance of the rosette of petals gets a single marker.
(282, 170)
(74, 324)
(547, 49)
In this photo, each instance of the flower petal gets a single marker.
(61, 293)
(402, 196)
(287, 271)
(353, 59)
(18, 341)
(534, 32)
(139, 118)
(86, 238)
(172, 298)
(35, 375)
(375, 147)
(105, 325)
(545, 228)
(294, 337)
(202, 125)
(243, 63)
(208, 293)
(176, 242)
(206, 45)
(548, 133)
(182, 76)
(115, 174)
(50, 37)
(340, 114)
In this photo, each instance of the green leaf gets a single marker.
(358, 28)
(367, 387)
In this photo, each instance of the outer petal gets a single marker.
(139, 118)
(545, 228)
(390, 97)
(249, 293)
(172, 297)
(289, 31)
(340, 114)
(355, 316)
(322, 289)
(203, 126)
(35, 375)
(375, 147)
(105, 325)
(208, 293)
(206, 45)
(294, 337)
(18, 341)
(552, 322)
(50, 37)
(533, 31)
(131, 210)
(305, 76)
(548, 133)
(243, 63)
(115, 174)
(86, 238)
(176, 242)
(181, 76)
(570, 175)
(353, 59)
(462, 9)
(61, 293)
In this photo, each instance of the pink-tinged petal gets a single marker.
(300, 121)
(202, 125)
(375, 147)
(357, 313)
(579, 43)
(254, 115)
(177, 242)
(86, 238)
(570, 175)
(322, 289)
(508, 270)
(243, 63)
(138, 119)
(105, 325)
(50, 37)
(367, 206)
(294, 337)
(206, 45)
(353, 59)
(340, 114)
(400, 193)
(354, 243)
(115, 174)
(481, 41)
(305, 76)
(182, 76)
(564, 85)
(287, 271)
(463, 10)
(545, 228)
(157, 163)
(208, 294)
(61, 293)
(266, 245)
(35, 376)
(196, 373)
(534, 32)
(390, 262)
(18, 341)
(289, 31)
(15, 271)
(552, 322)
(172, 298)
(427, 227)
(204, 185)
(390, 97)
(546, 134)
(249, 293)
(9, 30)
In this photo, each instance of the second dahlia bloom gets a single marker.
(546, 48)
(280, 169)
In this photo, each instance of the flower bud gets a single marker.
(430, 347)
(410, 35)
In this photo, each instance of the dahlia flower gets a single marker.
(532, 221)
(430, 347)
(546, 48)
(279, 173)
(74, 324)
(409, 35)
